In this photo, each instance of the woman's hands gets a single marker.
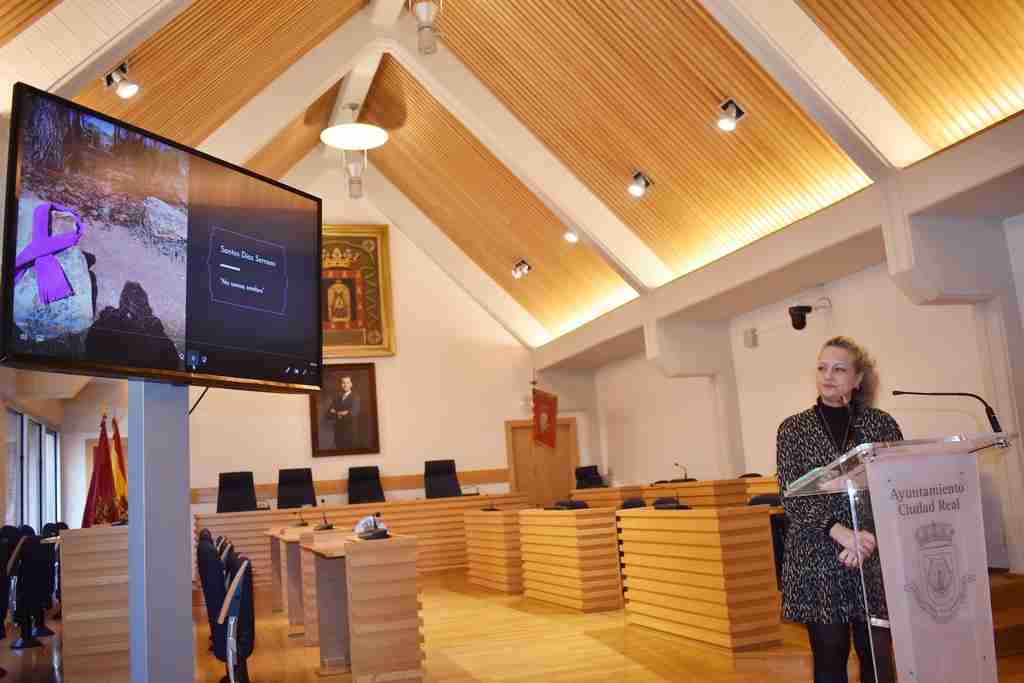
(852, 541)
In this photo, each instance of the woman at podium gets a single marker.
(821, 580)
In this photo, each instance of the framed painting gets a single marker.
(356, 292)
(343, 415)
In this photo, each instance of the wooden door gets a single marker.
(544, 474)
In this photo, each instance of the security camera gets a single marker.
(798, 315)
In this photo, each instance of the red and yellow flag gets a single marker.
(120, 472)
(101, 503)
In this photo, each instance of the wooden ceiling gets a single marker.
(297, 139)
(612, 86)
(17, 15)
(211, 59)
(481, 205)
(951, 68)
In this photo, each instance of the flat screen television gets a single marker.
(236, 492)
(295, 488)
(127, 254)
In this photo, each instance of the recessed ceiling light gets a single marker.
(730, 115)
(521, 269)
(571, 237)
(640, 183)
(123, 86)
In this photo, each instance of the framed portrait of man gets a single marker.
(343, 416)
(355, 291)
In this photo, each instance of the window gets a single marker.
(33, 472)
(12, 515)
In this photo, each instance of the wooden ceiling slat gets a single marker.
(18, 15)
(207, 62)
(483, 207)
(950, 67)
(610, 87)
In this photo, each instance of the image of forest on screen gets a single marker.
(102, 237)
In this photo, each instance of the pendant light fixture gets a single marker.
(426, 13)
(354, 139)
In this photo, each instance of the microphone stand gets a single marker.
(993, 421)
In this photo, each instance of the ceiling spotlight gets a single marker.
(730, 116)
(571, 237)
(640, 183)
(123, 86)
(354, 161)
(521, 269)
(426, 12)
(352, 135)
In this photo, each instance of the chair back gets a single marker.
(587, 477)
(212, 580)
(670, 504)
(440, 480)
(749, 475)
(633, 503)
(238, 573)
(773, 499)
(571, 505)
(364, 485)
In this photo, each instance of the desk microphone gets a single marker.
(326, 526)
(301, 521)
(993, 421)
(683, 468)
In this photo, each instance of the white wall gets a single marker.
(649, 421)
(924, 348)
(1014, 228)
(457, 376)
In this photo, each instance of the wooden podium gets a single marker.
(707, 575)
(571, 558)
(495, 556)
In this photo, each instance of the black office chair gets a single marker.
(670, 504)
(681, 481)
(660, 481)
(364, 485)
(30, 583)
(571, 505)
(238, 624)
(773, 499)
(211, 579)
(9, 536)
(749, 475)
(236, 492)
(587, 477)
(439, 479)
(633, 503)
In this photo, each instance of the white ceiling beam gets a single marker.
(811, 68)
(386, 12)
(455, 87)
(357, 85)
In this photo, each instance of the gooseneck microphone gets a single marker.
(992, 419)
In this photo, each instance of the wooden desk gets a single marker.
(292, 576)
(369, 609)
(94, 590)
(279, 593)
(611, 497)
(759, 485)
(571, 558)
(309, 541)
(707, 575)
(437, 523)
(713, 493)
(492, 542)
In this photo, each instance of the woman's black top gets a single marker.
(816, 587)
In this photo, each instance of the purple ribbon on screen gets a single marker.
(42, 252)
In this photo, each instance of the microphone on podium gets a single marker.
(993, 421)
(683, 468)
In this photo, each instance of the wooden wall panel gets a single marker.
(18, 15)
(212, 58)
(612, 86)
(483, 207)
(951, 68)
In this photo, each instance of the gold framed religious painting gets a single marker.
(355, 291)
